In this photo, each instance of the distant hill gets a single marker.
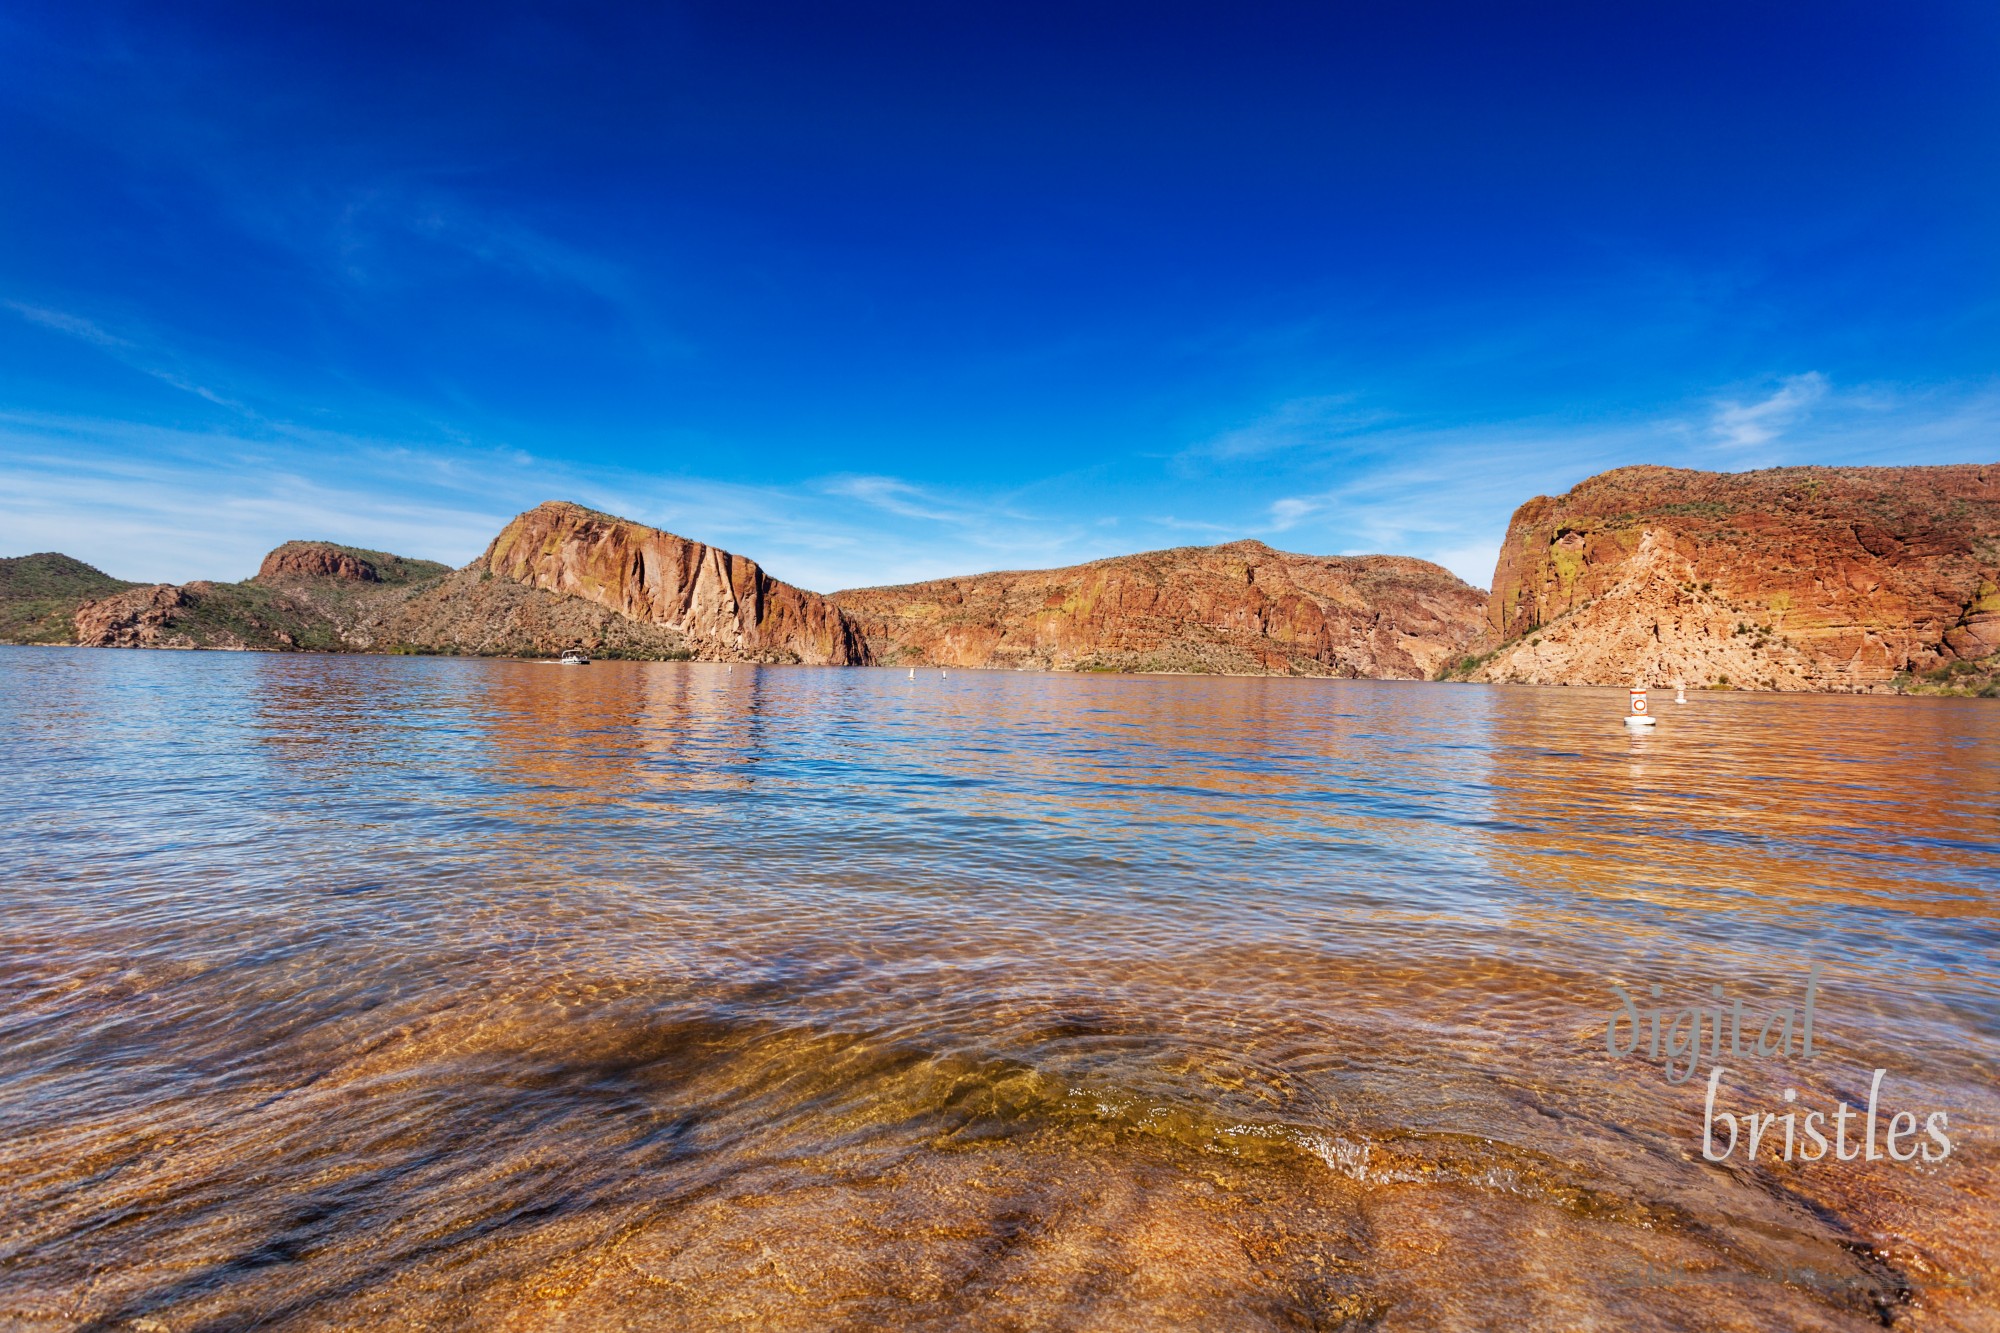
(351, 564)
(39, 595)
(307, 595)
(1242, 607)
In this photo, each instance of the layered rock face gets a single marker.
(1242, 608)
(723, 605)
(1803, 578)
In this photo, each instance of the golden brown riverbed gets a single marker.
(345, 993)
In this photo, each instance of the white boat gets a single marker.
(574, 658)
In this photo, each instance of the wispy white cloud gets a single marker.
(896, 497)
(1220, 532)
(152, 502)
(1298, 423)
(161, 504)
(166, 505)
(1446, 494)
(372, 224)
(1739, 425)
(135, 354)
(62, 322)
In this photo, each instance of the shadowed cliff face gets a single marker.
(1237, 608)
(724, 605)
(1792, 578)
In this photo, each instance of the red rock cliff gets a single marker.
(1805, 578)
(725, 606)
(1243, 607)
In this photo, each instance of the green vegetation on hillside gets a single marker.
(250, 615)
(39, 595)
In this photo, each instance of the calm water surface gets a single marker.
(354, 992)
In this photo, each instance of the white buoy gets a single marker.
(1639, 717)
(943, 672)
(913, 673)
(1680, 692)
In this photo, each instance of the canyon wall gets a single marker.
(724, 605)
(1243, 608)
(1802, 578)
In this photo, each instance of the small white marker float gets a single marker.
(1639, 717)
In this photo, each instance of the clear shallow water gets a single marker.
(353, 991)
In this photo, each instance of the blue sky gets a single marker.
(880, 292)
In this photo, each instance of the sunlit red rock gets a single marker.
(316, 560)
(725, 605)
(1804, 578)
(1243, 607)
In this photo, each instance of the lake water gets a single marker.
(353, 992)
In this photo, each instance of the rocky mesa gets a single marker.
(724, 605)
(1242, 608)
(1798, 578)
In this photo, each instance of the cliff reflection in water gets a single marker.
(345, 992)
